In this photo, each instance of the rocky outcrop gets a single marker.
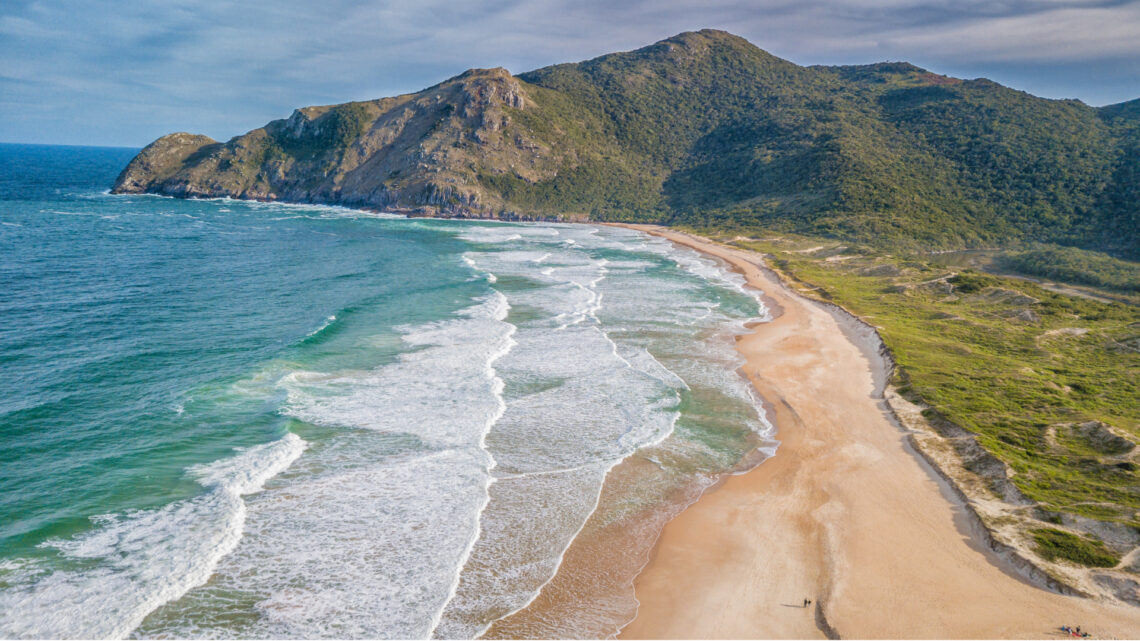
(421, 153)
(160, 160)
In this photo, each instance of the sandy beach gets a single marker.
(845, 514)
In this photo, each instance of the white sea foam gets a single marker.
(672, 306)
(553, 457)
(495, 234)
(683, 321)
(710, 270)
(526, 529)
(303, 209)
(358, 545)
(447, 485)
(491, 278)
(129, 564)
(628, 361)
(572, 278)
(381, 518)
(410, 395)
(328, 321)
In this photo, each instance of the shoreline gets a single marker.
(590, 595)
(848, 512)
(821, 551)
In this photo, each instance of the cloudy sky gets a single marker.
(125, 72)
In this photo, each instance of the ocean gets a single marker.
(224, 418)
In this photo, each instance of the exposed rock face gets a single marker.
(1104, 439)
(420, 152)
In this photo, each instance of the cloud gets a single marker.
(1064, 34)
(102, 72)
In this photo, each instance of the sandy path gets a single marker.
(844, 514)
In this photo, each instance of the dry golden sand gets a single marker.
(844, 514)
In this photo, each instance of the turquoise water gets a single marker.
(224, 418)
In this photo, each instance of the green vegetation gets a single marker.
(333, 130)
(1049, 383)
(970, 282)
(705, 129)
(1056, 544)
(1071, 265)
(605, 189)
(889, 154)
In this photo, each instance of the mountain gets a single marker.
(704, 129)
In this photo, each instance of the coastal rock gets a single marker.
(160, 160)
(411, 152)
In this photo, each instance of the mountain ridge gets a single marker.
(705, 129)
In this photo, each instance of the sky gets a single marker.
(91, 72)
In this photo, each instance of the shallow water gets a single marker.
(225, 418)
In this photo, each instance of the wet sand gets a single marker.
(845, 514)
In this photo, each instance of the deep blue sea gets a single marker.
(240, 419)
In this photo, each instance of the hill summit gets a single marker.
(706, 129)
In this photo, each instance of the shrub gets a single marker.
(1057, 544)
(969, 282)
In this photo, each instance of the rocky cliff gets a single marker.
(419, 151)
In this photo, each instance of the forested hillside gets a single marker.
(708, 130)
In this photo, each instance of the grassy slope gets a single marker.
(1013, 363)
(1071, 265)
(1056, 544)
